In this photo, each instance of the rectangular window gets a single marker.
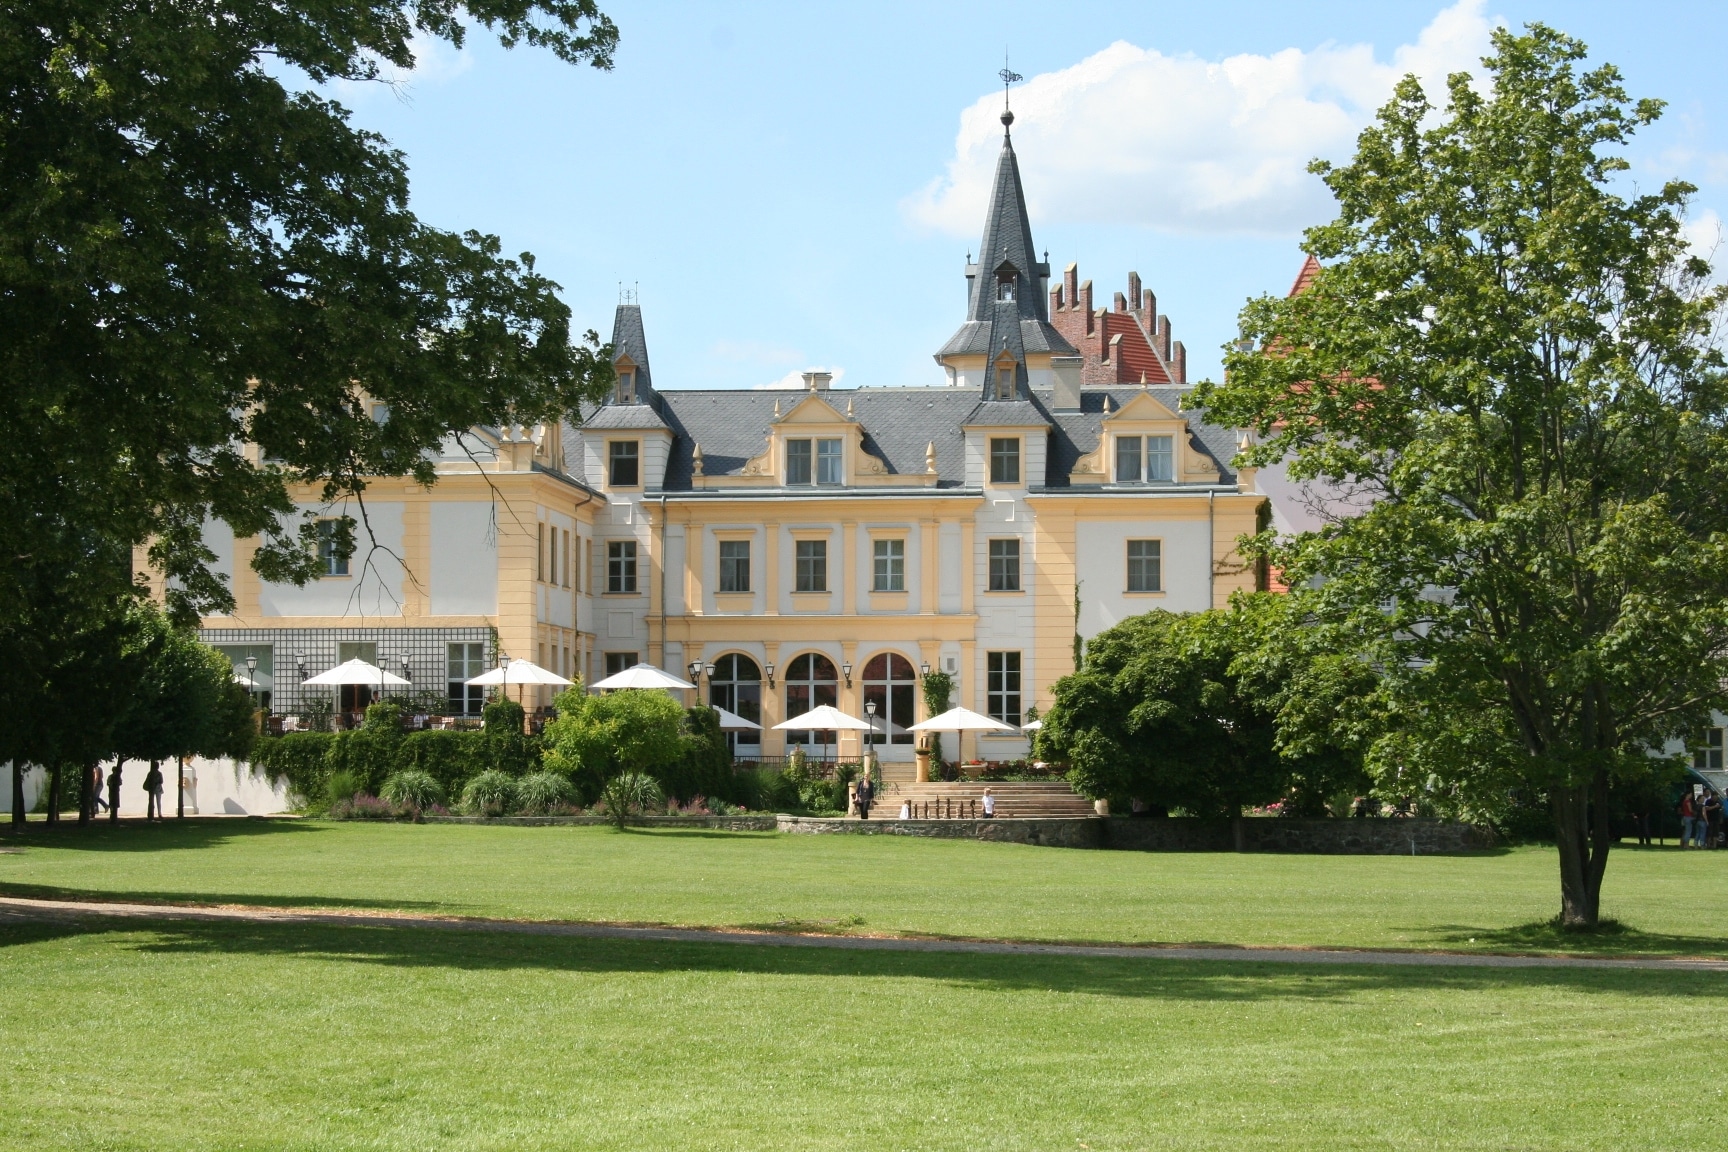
(566, 558)
(617, 662)
(1160, 458)
(1005, 389)
(1145, 566)
(797, 461)
(333, 555)
(626, 387)
(587, 547)
(1707, 755)
(1005, 460)
(1127, 459)
(828, 463)
(734, 565)
(624, 460)
(463, 662)
(621, 566)
(889, 573)
(1002, 687)
(540, 552)
(1004, 565)
(812, 561)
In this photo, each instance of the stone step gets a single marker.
(964, 799)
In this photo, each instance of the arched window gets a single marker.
(891, 684)
(737, 687)
(810, 683)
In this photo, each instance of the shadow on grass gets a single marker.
(131, 835)
(1136, 978)
(207, 898)
(1612, 939)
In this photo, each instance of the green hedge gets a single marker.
(298, 759)
(450, 757)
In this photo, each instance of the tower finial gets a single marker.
(1008, 77)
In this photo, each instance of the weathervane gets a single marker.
(1009, 76)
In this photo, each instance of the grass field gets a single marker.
(189, 1035)
(1673, 901)
(230, 1036)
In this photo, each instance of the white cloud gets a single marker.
(794, 381)
(1132, 136)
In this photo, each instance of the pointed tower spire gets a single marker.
(1006, 308)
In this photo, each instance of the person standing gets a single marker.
(98, 804)
(1712, 819)
(866, 793)
(153, 792)
(114, 792)
(1687, 813)
(989, 804)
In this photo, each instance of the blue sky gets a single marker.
(797, 185)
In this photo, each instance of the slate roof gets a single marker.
(1023, 324)
(629, 338)
(898, 423)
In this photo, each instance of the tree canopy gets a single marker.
(1506, 375)
(1207, 712)
(206, 274)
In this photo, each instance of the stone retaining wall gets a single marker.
(1054, 832)
(1366, 837)
(721, 823)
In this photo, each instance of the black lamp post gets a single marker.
(870, 715)
(252, 677)
(769, 669)
(846, 670)
(924, 668)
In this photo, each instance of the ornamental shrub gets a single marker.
(491, 793)
(340, 786)
(508, 749)
(413, 789)
(596, 737)
(540, 793)
(631, 793)
(450, 757)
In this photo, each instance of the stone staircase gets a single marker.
(964, 800)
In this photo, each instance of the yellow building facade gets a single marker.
(791, 548)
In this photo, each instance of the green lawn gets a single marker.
(1674, 901)
(229, 1036)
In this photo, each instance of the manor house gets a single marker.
(800, 547)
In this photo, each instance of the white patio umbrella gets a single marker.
(1032, 726)
(243, 680)
(823, 718)
(518, 672)
(959, 721)
(357, 671)
(641, 676)
(732, 722)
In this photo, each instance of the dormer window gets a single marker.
(814, 462)
(1005, 290)
(828, 466)
(1144, 459)
(1005, 389)
(626, 386)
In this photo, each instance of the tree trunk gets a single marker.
(54, 795)
(114, 791)
(18, 794)
(180, 787)
(1581, 834)
(86, 794)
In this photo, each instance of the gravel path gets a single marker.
(17, 908)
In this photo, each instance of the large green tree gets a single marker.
(206, 272)
(1506, 381)
(1208, 711)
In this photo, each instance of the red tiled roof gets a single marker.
(1136, 354)
(1305, 278)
